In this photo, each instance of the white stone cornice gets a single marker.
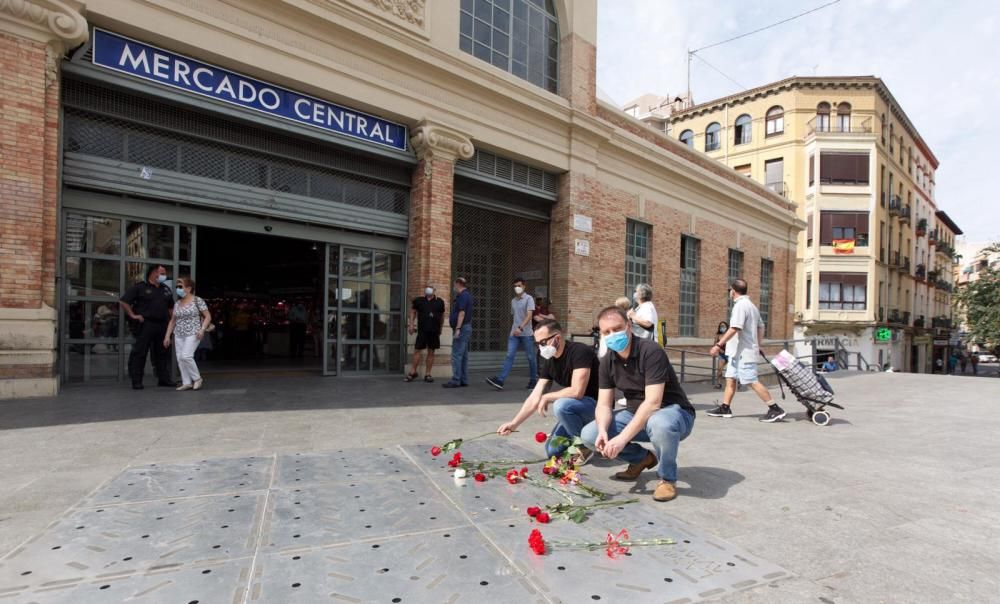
(45, 21)
(433, 140)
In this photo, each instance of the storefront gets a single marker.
(274, 217)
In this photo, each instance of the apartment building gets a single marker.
(871, 263)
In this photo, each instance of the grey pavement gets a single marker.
(894, 501)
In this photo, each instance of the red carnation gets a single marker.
(457, 456)
(546, 470)
(512, 476)
(541, 437)
(543, 517)
(524, 472)
(435, 451)
(534, 511)
(454, 463)
(536, 542)
(480, 477)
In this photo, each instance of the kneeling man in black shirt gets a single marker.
(573, 367)
(657, 410)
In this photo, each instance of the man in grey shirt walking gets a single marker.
(521, 336)
(742, 343)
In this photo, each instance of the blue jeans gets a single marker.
(571, 416)
(460, 355)
(513, 343)
(665, 430)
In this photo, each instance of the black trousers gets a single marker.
(296, 339)
(150, 337)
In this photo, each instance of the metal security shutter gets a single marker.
(138, 145)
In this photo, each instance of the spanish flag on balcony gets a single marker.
(843, 246)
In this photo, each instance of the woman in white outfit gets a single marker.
(645, 322)
(188, 324)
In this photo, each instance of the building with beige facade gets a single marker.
(873, 269)
(341, 155)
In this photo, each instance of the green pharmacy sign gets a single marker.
(883, 334)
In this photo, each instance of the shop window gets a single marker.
(518, 36)
(843, 291)
(637, 236)
(766, 287)
(840, 168)
(688, 308)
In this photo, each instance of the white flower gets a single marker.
(460, 473)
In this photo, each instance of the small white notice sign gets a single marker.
(145, 173)
(582, 247)
(583, 223)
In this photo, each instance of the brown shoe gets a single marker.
(634, 469)
(665, 491)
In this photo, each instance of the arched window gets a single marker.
(712, 136)
(774, 121)
(844, 117)
(743, 130)
(687, 137)
(518, 36)
(823, 117)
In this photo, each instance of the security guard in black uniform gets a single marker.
(149, 304)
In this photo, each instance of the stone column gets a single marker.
(431, 212)
(34, 35)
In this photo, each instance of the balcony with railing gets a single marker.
(932, 237)
(932, 276)
(904, 214)
(895, 261)
(839, 127)
(920, 272)
(895, 317)
(919, 321)
(906, 264)
(944, 248)
(941, 323)
(943, 285)
(921, 227)
(895, 205)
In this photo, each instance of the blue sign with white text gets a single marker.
(150, 63)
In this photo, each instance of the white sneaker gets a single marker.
(184, 387)
(197, 384)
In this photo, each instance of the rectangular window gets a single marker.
(843, 225)
(743, 169)
(809, 229)
(809, 291)
(734, 272)
(843, 291)
(688, 309)
(766, 285)
(843, 168)
(636, 255)
(882, 182)
(812, 169)
(774, 175)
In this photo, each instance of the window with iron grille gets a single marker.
(766, 285)
(636, 255)
(688, 309)
(518, 36)
(735, 272)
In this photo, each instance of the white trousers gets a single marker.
(185, 347)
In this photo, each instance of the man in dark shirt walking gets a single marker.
(460, 320)
(657, 410)
(573, 367)
(426, 319)
(149, 304)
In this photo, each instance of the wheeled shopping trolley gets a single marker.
(809, 388)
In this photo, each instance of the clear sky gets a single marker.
(939, 59)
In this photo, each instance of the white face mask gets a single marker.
(429, 291)
(548, 351)
(519, 290)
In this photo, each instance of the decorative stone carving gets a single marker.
(431, 140)
(45, 18)
(411, 11)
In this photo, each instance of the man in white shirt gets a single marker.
(742, 343)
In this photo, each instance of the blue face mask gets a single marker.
(180, 292)
(161, 278)
(616, 341)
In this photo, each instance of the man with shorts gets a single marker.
(573, 367)
(742, 343)
(426, 319)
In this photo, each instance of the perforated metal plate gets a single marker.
(114, 541)
(335, 514)
(210, 476)
(355, 525)
(456, 565)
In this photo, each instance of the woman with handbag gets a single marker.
(188, 325)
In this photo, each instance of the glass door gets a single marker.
(104, 255)
(363, 310)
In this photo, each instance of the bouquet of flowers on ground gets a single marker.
(613, 545)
